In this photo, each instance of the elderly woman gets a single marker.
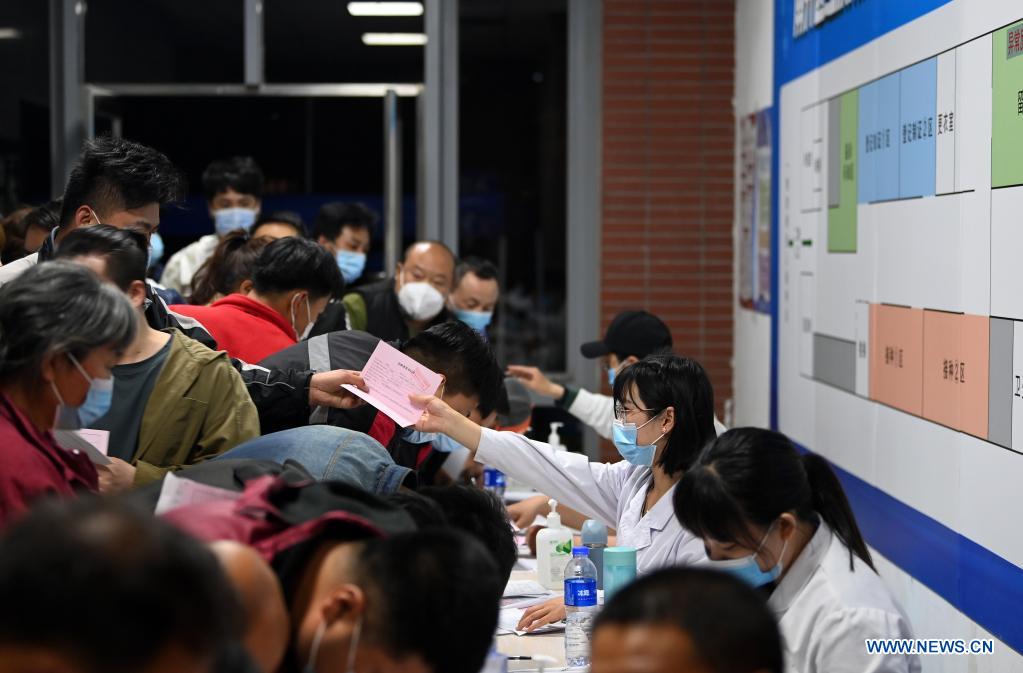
(61, 332)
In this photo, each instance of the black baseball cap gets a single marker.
(631, 333)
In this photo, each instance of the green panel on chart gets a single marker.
(842, 219)
(1007, 107)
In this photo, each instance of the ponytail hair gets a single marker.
(231, 264)
(748, 477)
(830, 502)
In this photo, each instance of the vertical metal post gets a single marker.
(582, 264)
(67, 75)
(254, 72)
(310, 144)
(392, 181)
(439, 177)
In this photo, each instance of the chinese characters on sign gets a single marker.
(893, 356)
(954, 371)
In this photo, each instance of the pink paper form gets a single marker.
(391, 377)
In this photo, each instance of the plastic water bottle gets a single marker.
(580, 606)
(494, 481)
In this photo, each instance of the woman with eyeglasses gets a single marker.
(664, 408)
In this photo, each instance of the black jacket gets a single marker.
(281, 396)
(351, 349)
(385, 318)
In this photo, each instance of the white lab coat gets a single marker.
(598, 412)
(610, 493)
(181, 267)
(19, 266)
(826, 611)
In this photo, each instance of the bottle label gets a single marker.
(558, 562)
(580, 591)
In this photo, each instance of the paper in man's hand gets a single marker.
(391, 377)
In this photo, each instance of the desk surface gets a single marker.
(551, 644)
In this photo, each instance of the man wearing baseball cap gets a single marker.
(630, 337)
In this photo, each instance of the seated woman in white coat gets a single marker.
(781, 521)
(665, 416)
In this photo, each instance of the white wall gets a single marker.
(929, 613)
(754, 82)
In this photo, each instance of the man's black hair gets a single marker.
(333, 217)
(425, 512)
(483, 269)
(75, 574)
(117, 174)
(292, 219)
(727, 621)
(480, 514)
(241, 174)
(467, 361)
(126, 252)
(434, 594)
(297, 264)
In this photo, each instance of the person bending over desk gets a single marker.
(781, 521)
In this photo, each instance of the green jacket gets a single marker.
(199, 408)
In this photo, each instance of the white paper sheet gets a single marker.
(92, 443)
(178, 492)
(508, 620)
(525, 588)
(391, 377)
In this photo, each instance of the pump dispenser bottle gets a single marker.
(553, 550)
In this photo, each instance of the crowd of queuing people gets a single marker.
(342, 541)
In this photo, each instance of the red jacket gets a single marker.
(243, 327)
(33, 465)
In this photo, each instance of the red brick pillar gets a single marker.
(668, 172)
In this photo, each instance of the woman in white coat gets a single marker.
(781, 521)
(665, 416)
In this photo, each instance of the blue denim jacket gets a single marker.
(329, 453)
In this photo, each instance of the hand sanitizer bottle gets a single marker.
(554, 439)
(553, 550)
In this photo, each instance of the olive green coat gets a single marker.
(199, 408)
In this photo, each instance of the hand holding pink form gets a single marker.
(391, 377)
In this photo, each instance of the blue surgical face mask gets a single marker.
(478, 320)
(227, 220)
(155, 249)
(351, 264)
(748, 570)
(444, 444)
(625, 438)
(413, 436)
(96, 405)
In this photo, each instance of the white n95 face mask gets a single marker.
(420, 301)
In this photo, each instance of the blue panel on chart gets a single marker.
(919, 94)
(878, 139)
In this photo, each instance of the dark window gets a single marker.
(24, 107)
(513, 79)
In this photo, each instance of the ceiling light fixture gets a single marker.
(393, 39)
(385, 8)
(9, 33)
